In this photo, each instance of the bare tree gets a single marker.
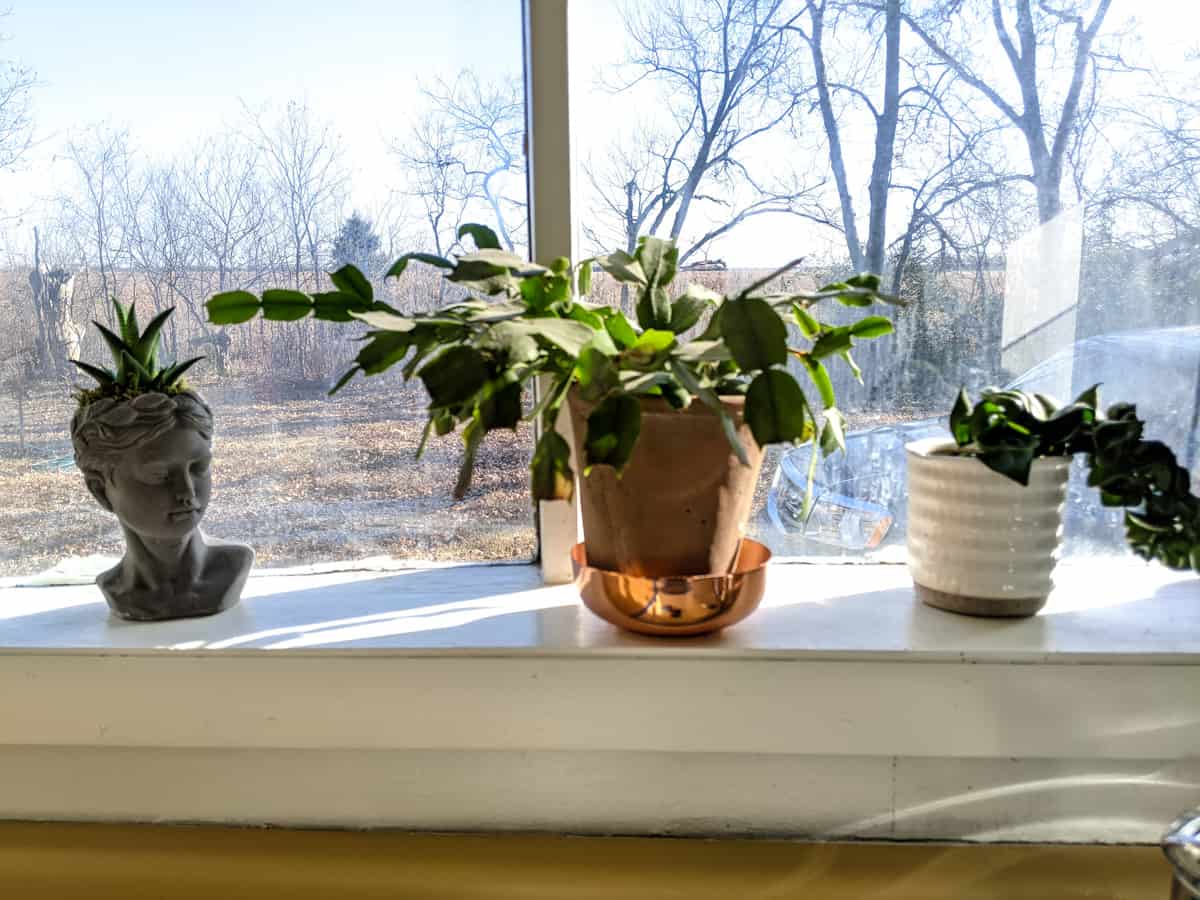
(1047, 115)
(466, 157)
(721, 69)
(16, 85)
(307, 184)
(101, 159)
(53, 289)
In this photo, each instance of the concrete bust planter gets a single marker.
(980, 543)
(144, 444)
(147, 461)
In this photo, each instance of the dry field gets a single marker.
(300, 476)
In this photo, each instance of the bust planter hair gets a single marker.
(143, 441)
(668, 430)
(985, 509)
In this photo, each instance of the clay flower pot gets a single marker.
(681, 505)
(147, 460)
(980, 543)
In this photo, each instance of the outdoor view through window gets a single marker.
(1025, 172)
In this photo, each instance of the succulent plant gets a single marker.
(135, 360)
(1007, 430)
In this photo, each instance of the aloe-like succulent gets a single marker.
(135, 360)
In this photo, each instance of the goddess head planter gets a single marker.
(146, 460)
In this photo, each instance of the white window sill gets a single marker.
(473, 697)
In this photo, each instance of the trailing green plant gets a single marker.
(1008, 430)
(476, 356)
(135, 360)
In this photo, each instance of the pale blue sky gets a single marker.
(173, 71)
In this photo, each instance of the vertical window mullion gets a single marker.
(551, 220)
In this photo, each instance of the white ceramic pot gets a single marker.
(980, 543)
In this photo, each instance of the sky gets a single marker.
(173, 72)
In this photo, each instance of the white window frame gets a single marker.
(553, 227)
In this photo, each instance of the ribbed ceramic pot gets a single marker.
(980, 543)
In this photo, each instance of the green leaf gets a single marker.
(147, 342)
(472, 437)
(612, 431)
(623, 267)
(349, 280)
(141, 375)
(382, 350)
(835, 340)
(833, 432)
(345, 379)
(118, 348)
(170, 376)
(596, 373)
(620, 330)
(129, 326)
(337, 306)
(584, 278)
(776, 408)
(820, 378)
(551, 477)
(653, 307)
(686, 312)
(501, 407)
(648, 351)
(384, 320)
(285, 306)
(567, 334)
(754, 333)
(454, 376)
(960, 417)
(871, 327)
(809, 326)
(484, 237)
(658, 258)
(401, 264)
(703, 351)
(104, 377)
(709, 398)
(512, 339)
(866, 280)
(232, 307)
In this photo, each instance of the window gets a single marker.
(160, 153)
(1045, 251)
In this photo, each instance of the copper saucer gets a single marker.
(678, 605)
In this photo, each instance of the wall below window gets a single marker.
(474, 698)
(62, 862)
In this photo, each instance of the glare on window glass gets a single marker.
(1025, 174)
(160, 153)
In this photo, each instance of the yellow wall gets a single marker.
(98, 862)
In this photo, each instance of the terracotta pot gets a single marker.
(682, 503)
(980, 543)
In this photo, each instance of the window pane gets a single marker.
(1048, 251)
(163, 152)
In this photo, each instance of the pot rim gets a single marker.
(927, 448)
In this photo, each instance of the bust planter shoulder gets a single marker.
(144, 444)
(668, 429)
(985, 508)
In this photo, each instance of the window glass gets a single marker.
(163, 152)
(1029, 183)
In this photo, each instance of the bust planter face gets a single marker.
(980, 543)
(148, 461)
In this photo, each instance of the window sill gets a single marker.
(474, 697)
